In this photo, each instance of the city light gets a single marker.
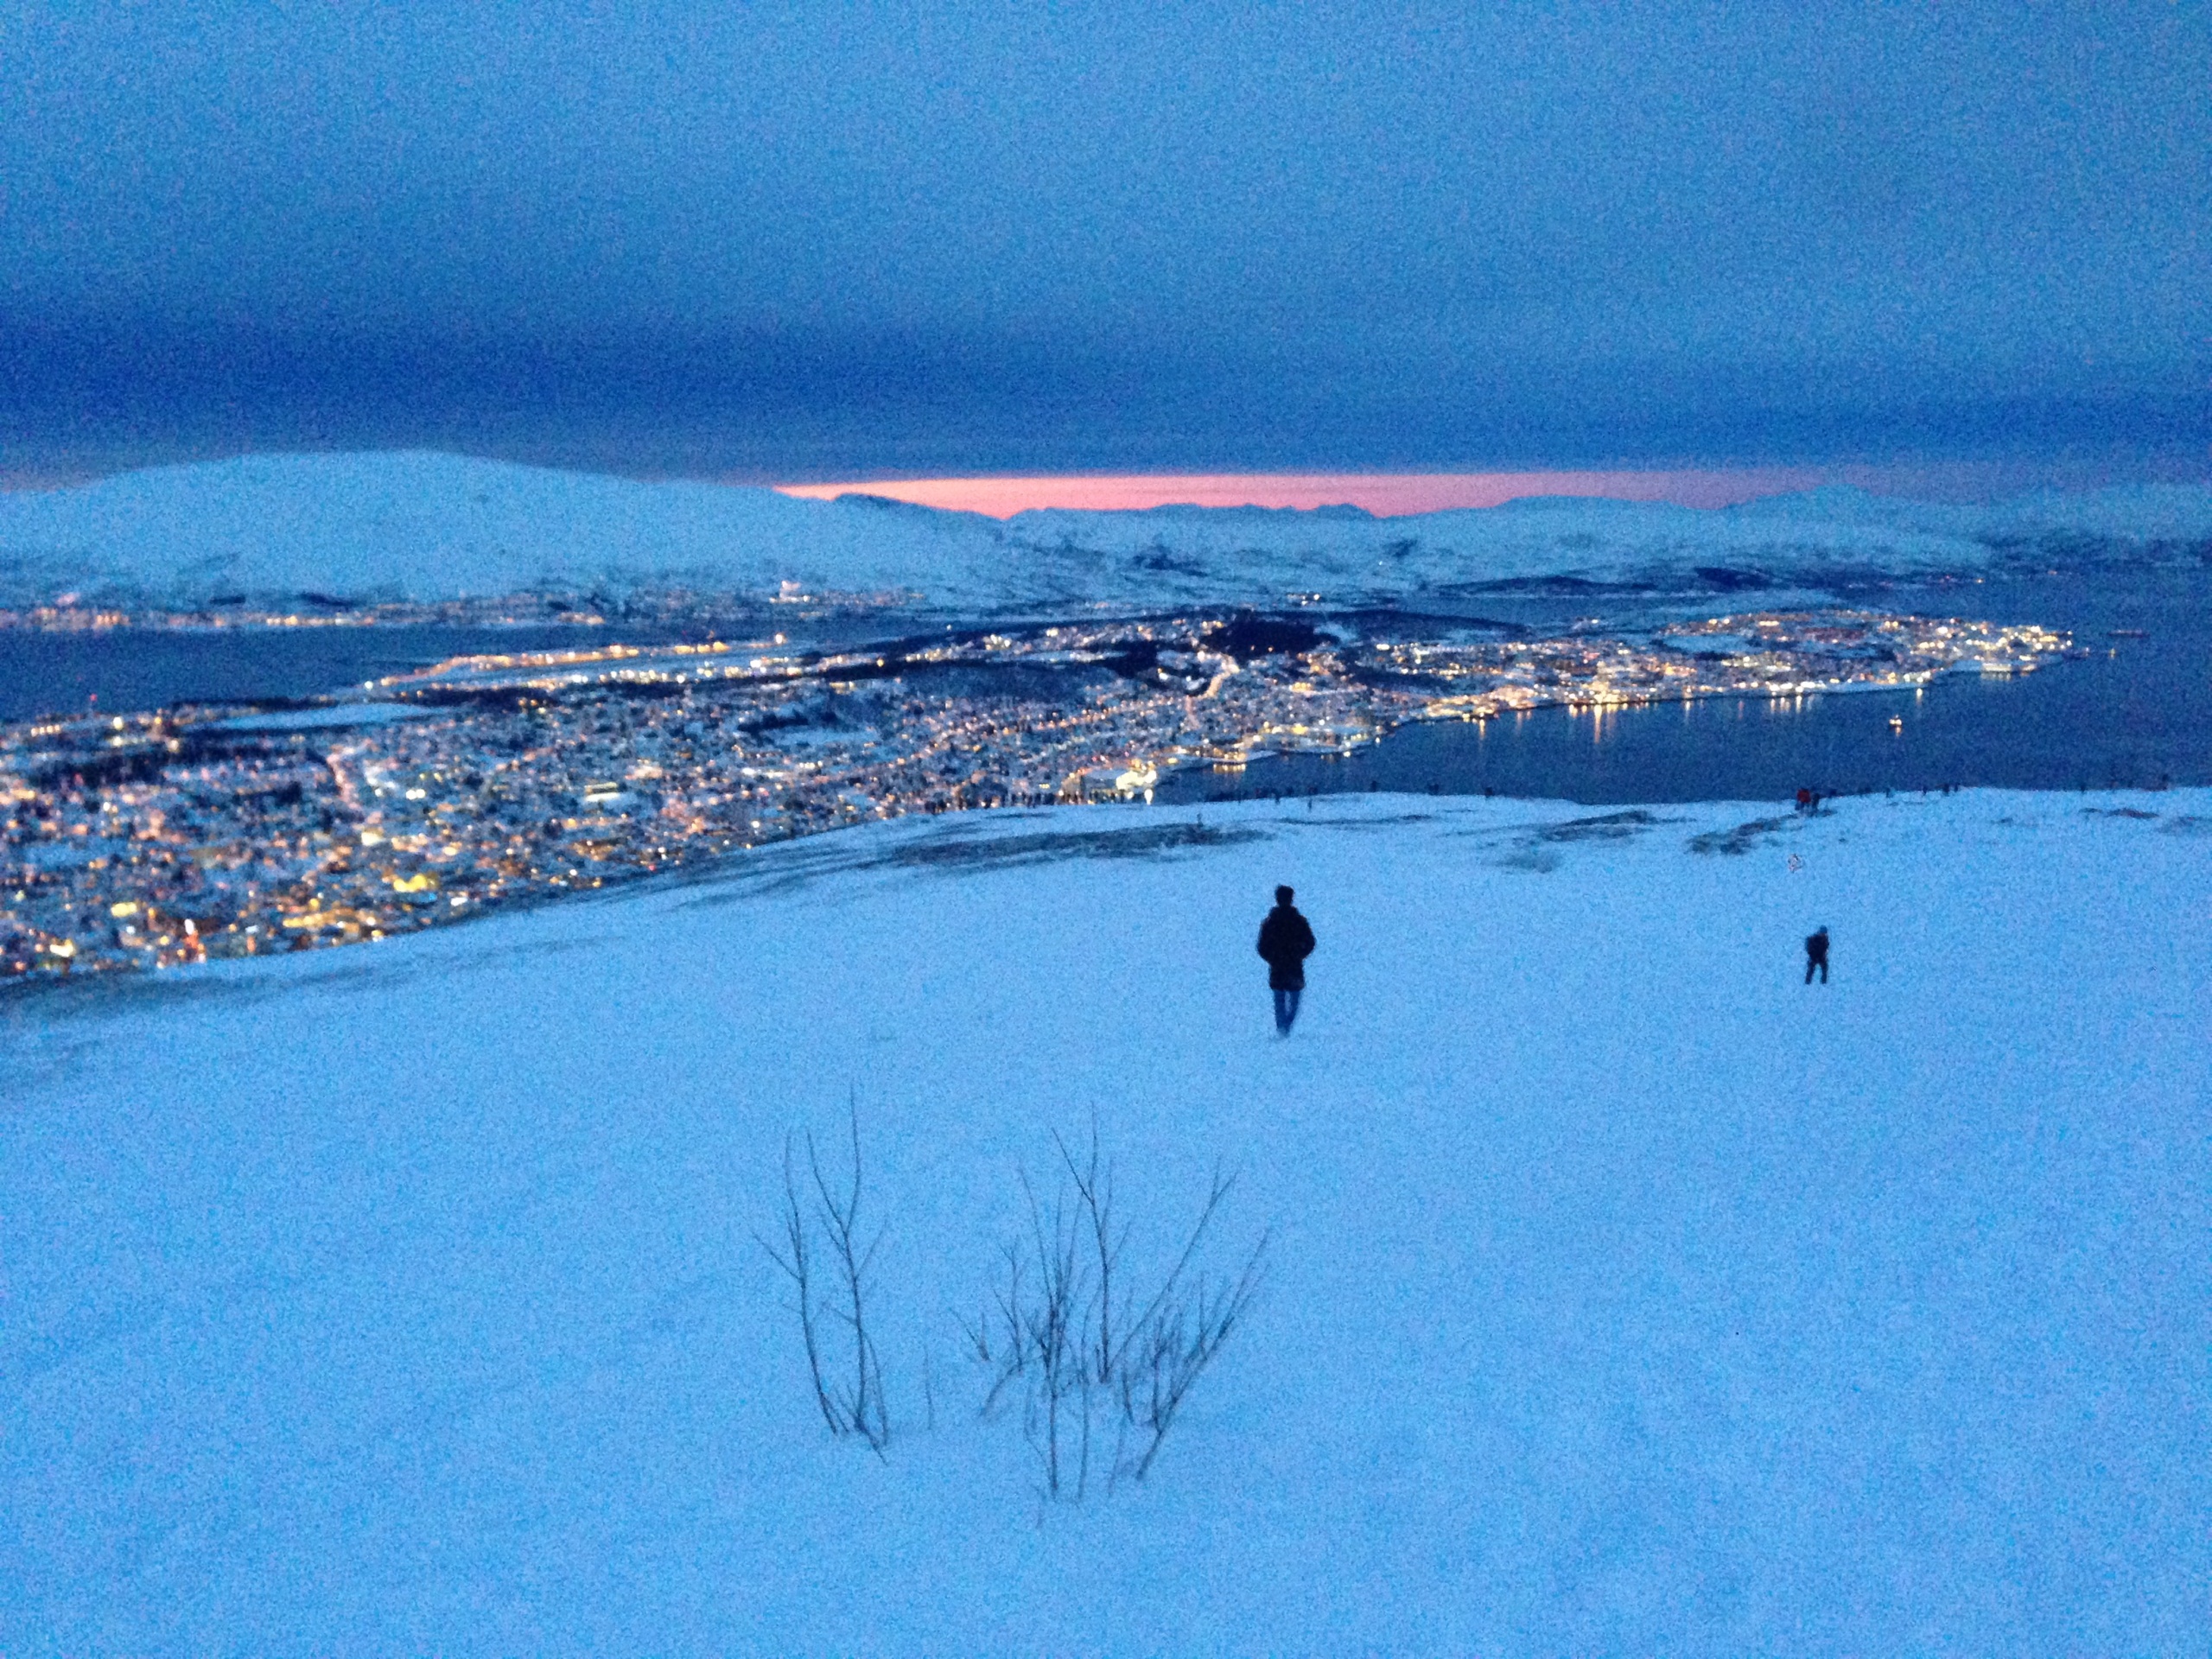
(156, 840)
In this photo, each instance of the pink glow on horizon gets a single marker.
(1385, 494)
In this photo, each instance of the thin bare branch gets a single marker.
(859, 1408)
(797, 1265)
(1075, 1339)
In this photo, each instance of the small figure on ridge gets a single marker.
(1286, 941)
(1817, 955)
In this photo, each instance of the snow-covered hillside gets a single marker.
(429, 526)
(1627, 1295)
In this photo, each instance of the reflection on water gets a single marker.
(2137, 713)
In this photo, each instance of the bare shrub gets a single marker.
(849, 1392)
(1068, 1335)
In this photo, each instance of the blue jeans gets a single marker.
(1285, 1010)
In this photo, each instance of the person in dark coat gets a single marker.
(1285, 942)
(1817, 955)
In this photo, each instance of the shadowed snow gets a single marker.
(1626, 1293)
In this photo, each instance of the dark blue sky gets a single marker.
(795, 240)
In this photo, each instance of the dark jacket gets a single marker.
(1816, 947)
(1285, 942)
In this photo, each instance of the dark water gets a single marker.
(2138, 714)
(136, 669)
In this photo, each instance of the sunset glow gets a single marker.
(1386, 495)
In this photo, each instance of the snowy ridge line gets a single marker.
(430, 528)
(1519, 834)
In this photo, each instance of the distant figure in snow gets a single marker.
(1817, 955)
(1285, 942)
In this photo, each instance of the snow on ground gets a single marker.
(427, 526)
(1627, 1295)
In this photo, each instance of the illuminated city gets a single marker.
(137, 840)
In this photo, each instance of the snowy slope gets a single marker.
(1628, 1295)
(424, 526)
(430, 526)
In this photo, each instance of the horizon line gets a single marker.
(1384, 494)
(1401, 494)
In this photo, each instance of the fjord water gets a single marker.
(133, 669)
(2137, 712)
(130, 670)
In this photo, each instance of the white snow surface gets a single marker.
(430, 526)
(1627, 1295)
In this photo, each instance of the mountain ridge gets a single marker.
(427, 525)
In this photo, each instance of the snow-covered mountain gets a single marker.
(1626, 1293)
(430, 526)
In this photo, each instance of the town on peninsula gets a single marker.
(148, 840)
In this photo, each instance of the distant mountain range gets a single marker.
(430, 526)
